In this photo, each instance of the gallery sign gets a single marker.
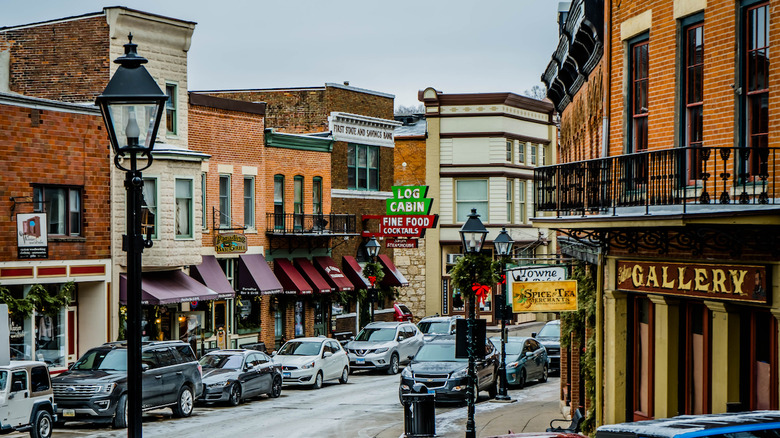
(230, 243)
(31, 240)
(544, 296)
(729, 282)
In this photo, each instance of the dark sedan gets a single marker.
(550, 337)
(234, 375)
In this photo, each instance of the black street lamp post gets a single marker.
(132, 106)
(372, 248)
(472, 236)
(503, 244)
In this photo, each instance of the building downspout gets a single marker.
(605, 78)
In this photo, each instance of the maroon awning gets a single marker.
(355, 273)
(292, 281)
(255, 276)
(333, 274)
(311, 275)
(393, 277)
(167, 287)
(210, 273)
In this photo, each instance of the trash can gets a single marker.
(419, 412)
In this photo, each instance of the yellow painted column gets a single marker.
(667, 335)
(615, 350)
(724, 386)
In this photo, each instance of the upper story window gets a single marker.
(249, 202)
(62, 206)
(224, 201)
(184, 207)
(149, 207)
(510, 200)
(279, 201)
(521, 201)
(693, 91)
(533, 154)
(521, 153)
(363, 167)
(170, 109)
(639, 74)
(756, 84)
(471, 193)
(510, 151)
(542, 155)
(298, 200)
(316, 195)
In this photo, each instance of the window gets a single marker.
(542, 155)
(170, 109)
(639, 98)
(510, 200)
(756, 86)
(184, 211)
(533, 154)
(316, 195)
(521, 201)
(279, 201)
(62, 206)
(149, 207)
(510, 151)
(249, 202)
(224, 201)
(203, 199)
(363, 167)
(521, 153)
(39, 379)
(19, 381)
(693, 97)
(298, 201)
(471, 193)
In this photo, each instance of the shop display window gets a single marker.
(248, 313)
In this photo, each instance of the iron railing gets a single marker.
(292, 223)
(680, 176)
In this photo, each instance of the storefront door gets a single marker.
(762, 359)
(642, 356)
(320, 316)
(695, 332)
(279, 327)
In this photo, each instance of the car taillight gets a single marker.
(200, 370)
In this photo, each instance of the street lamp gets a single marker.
(132, 106)
(472, 235)
(503, 244)
(372, 248)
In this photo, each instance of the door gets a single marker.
(73, 341)
(328, 363)
(172, 374)
(278, 327)
(253, 380)
(642, 358)
(19, 398)
(151, 381)
(320, 316)
(339, 359)
(536, 361)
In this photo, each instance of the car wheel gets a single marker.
(120, 416)
(184, 403)
(344, 375)
(393, 368)
(235, 395)
(276, 387)
(42, 425)
(521, 378)
(317, 381)
(544, 375)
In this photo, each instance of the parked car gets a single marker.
(433, 326)
(233, 375)
(312, 361)
(384, 346)
(402, 313)
(436, 367)
(95, 387)
(751, 424)
(27, 399)
(526, 359)
(550, 337)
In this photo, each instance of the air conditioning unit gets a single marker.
(453, 258)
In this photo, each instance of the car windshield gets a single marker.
(439, 352)
(550, 331)
(376, 334)
(102, 359)
(434, 327)
(511, 347)
(225, 361)
(298, 348)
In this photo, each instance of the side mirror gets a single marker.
(144, 367)
(351, 338)
(533, 335)
(327, 354)
(273, 353)
(529, 353)
(17, 386)
(410, 357)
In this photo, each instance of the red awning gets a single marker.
(210, 273)
(167, 287)
(333, 274)
(393, 277)
(255, 276)
(292, 280)
(311, 275)
(355, 273)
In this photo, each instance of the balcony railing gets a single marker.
(680, 176)
(311, 224)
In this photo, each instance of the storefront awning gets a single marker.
(393, 277)
(167, 287)
(255, 276)
(292, 281)
(210, 273)
(333, 274)
(311, 275)
(354, 273)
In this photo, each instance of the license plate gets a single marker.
(68, 412)
(431, 391)
(360, 361)
(285, 374)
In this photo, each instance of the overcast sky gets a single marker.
(396, 47)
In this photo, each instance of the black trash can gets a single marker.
(419, 413)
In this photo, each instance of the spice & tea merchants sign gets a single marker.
(728, 282)
(544, 296)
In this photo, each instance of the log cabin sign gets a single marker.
(727, 282)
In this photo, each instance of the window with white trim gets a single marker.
(184, 213)
(471, 193)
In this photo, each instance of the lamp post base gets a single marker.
(503, 399)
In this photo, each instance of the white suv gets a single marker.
(384, 345)
(26, 398)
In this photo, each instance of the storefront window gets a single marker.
(50, 339)
(248, 311)
(299, 318)
(39, 336)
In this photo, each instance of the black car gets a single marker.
(233, 375)
(550, 337)
(436, 367)
(95, 387)
(433, 326)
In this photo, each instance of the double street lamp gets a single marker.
(372, 248)
(503, 244)
(132, 106)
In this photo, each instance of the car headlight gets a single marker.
(460, 373)
(308, 365)
(220, 383)
(407, 372)
(513, 365)
(108, 388)
(380, 350)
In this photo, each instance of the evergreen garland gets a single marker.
(473, 268)
(38, 298)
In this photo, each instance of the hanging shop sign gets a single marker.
(401, 243)
(539, 273)
(728, 282)
(230, 243)
(366, 130)
(544, 296)
(405, 226)
(31, 241)
(409, 200)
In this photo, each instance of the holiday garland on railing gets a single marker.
(473, 275)
(38, 299)
(384, 292)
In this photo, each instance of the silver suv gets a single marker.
(26, 400)
(384, 346)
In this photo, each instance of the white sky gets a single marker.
(396, 47)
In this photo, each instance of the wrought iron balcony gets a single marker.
(291, 224)
(682, 176)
